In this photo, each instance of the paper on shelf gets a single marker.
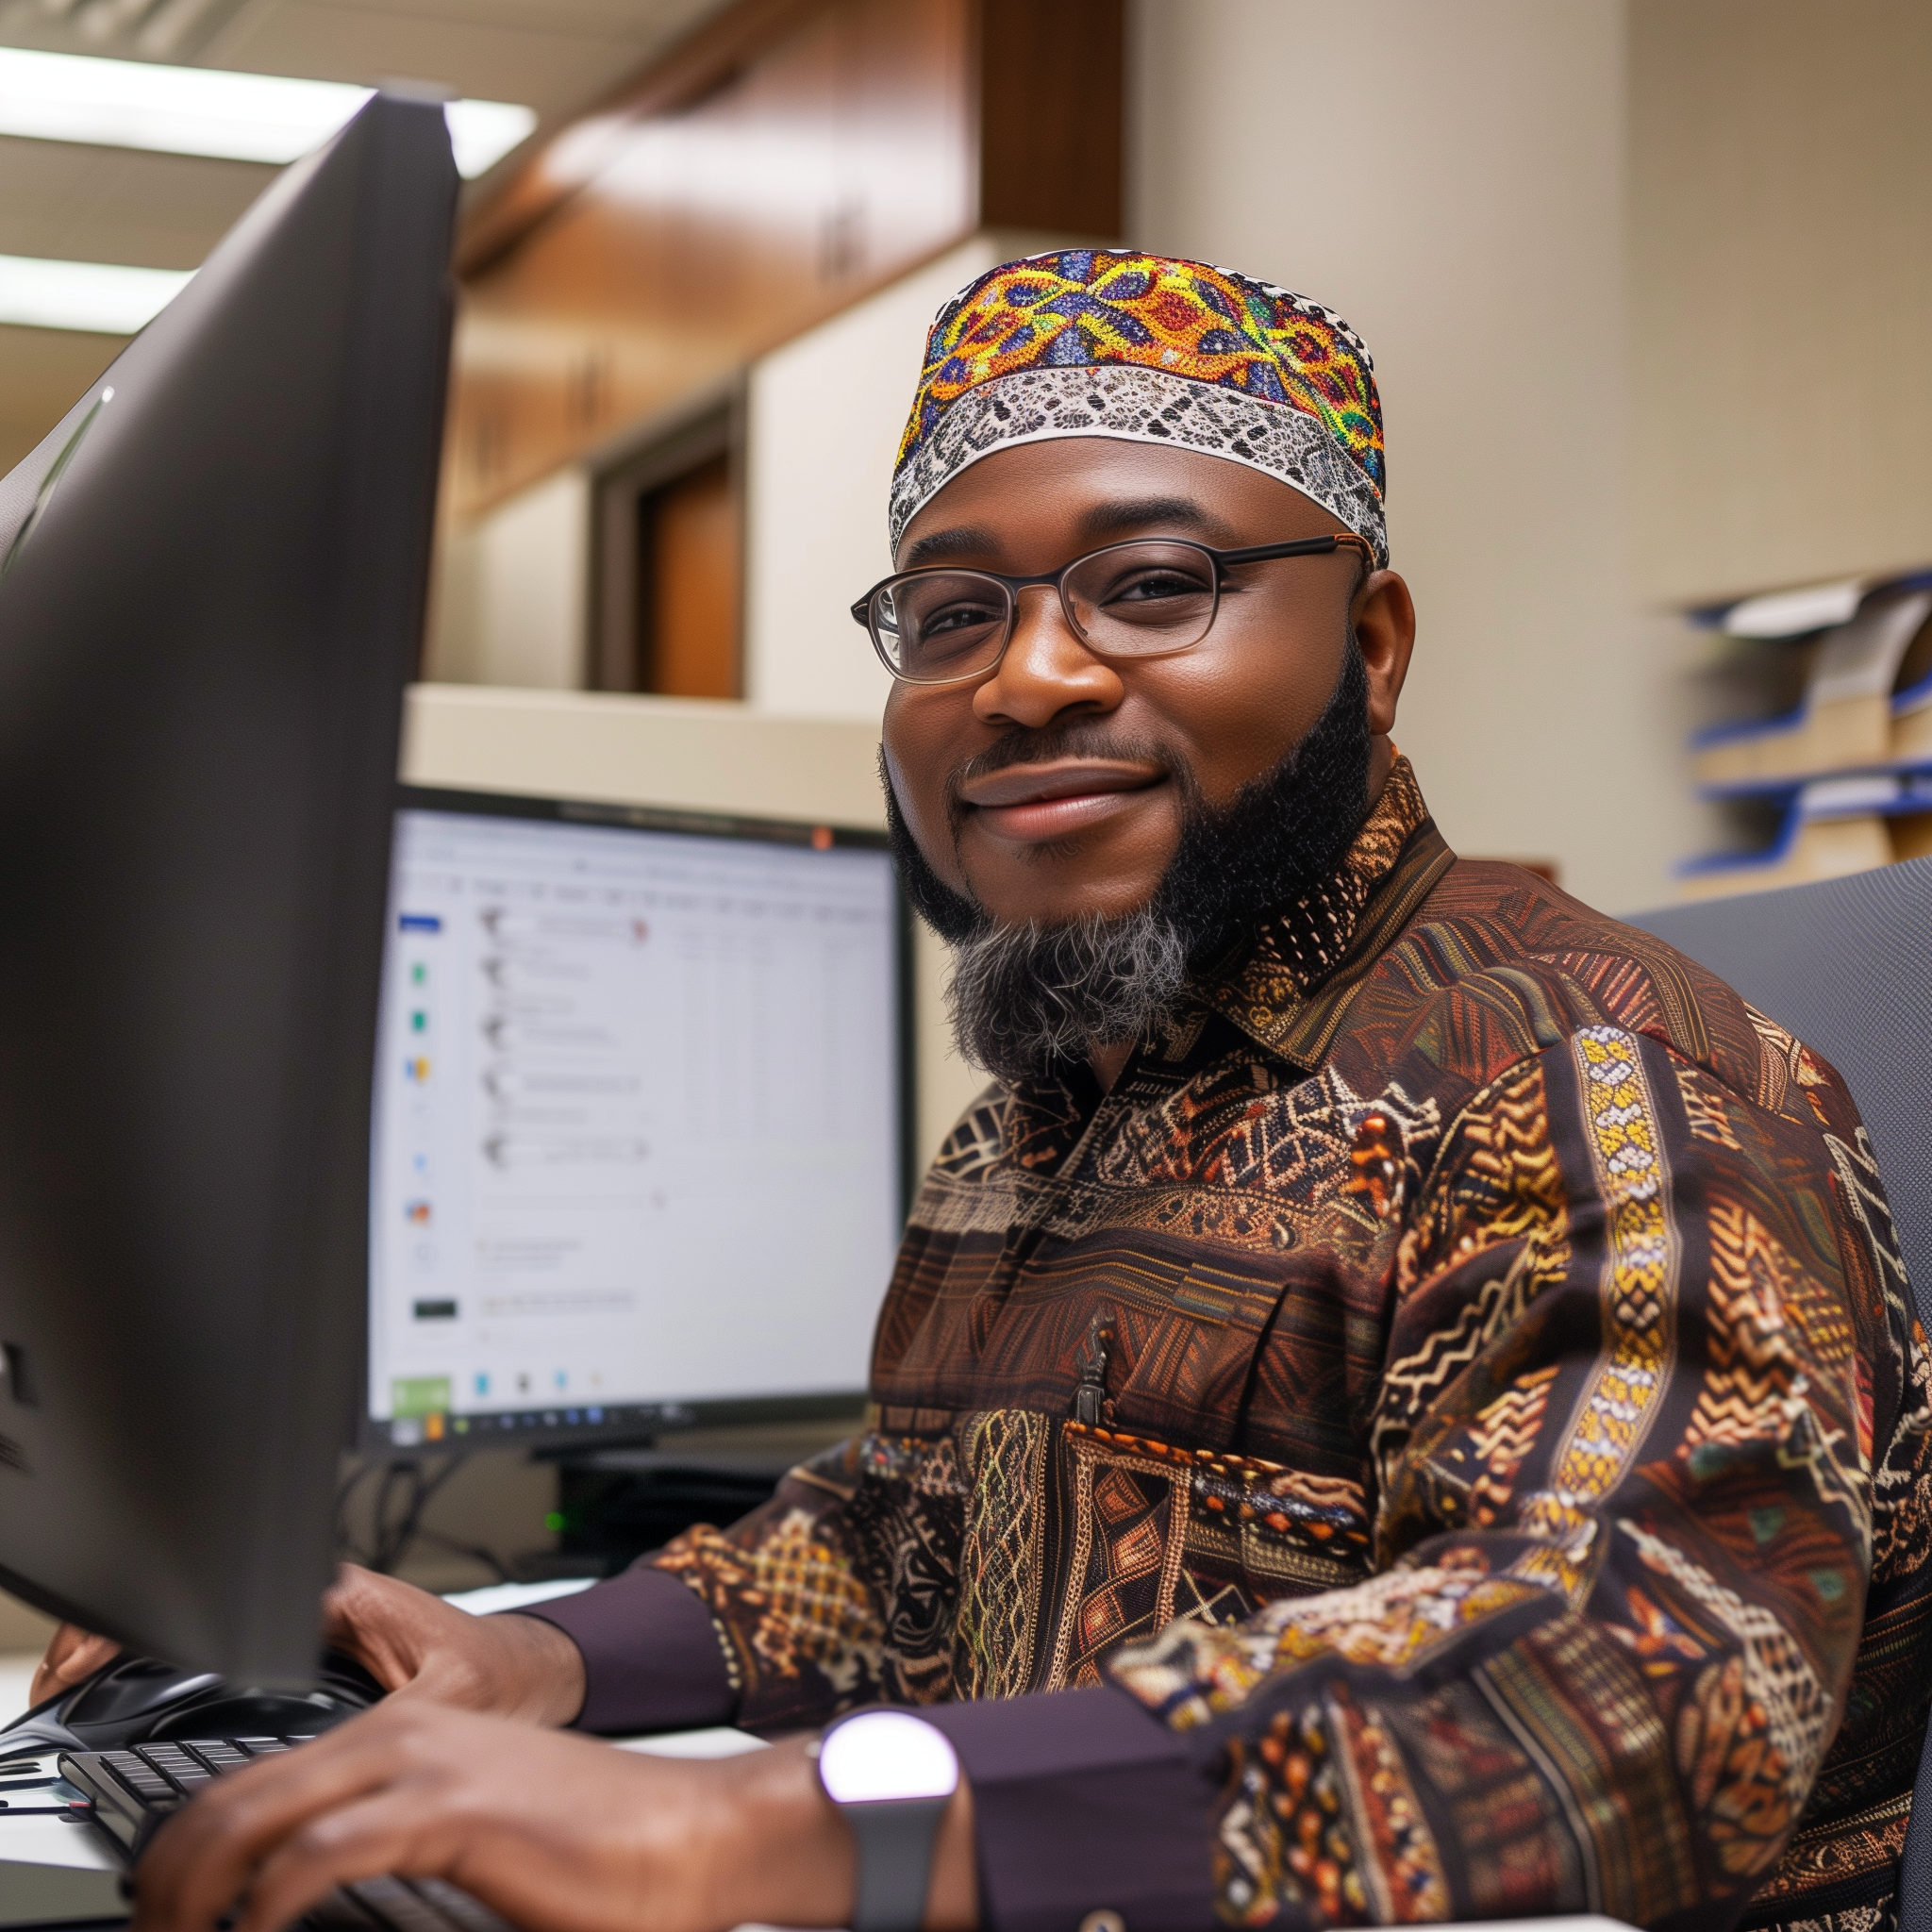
(1792, 613)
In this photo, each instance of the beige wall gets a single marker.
(510, 603)
(1781, 204)
(1448, 173)
(823, 416)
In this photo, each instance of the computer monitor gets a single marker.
(641, 1145)
(214, 572)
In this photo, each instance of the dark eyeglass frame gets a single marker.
(1222, 560)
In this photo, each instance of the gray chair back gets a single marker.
(1846, 965)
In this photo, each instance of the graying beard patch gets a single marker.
(1023, 998)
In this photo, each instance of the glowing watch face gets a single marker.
(882, 1755)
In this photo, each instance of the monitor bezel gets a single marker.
(544, 1429)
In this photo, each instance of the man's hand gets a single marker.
(417, 1646)
(556, 1833)
(411, 1643)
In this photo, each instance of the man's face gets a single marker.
(1055, 788)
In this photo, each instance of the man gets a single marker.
(1400, 1403)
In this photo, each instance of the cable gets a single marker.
(475, 1552)
(403, 1490)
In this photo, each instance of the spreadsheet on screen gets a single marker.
(638, 1121)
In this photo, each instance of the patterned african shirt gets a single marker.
(1460, 1381)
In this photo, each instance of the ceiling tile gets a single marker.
(103, 203)
(637, 22)
(346, 44)
(551, 60)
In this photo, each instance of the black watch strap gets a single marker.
(896, 1841)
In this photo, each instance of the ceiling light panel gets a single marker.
(94, 295)
(204, 111)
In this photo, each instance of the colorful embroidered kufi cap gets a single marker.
(1152, 349)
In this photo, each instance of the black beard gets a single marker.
(1029, 998)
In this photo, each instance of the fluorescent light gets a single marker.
(203, 110)
(91, 295)
(482, 132)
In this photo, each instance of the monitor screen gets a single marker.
(640, 1118)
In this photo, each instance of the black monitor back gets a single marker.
(212, 597)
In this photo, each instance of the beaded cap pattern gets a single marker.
(1152, 349)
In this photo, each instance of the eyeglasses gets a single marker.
(1146, 598)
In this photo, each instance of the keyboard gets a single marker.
(131, 1792)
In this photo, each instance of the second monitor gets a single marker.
(640, 1121)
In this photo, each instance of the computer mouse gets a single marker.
(130, 1691)
(136, 1699)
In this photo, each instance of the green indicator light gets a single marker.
(556, 1522)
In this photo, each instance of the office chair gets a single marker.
(1846, 965)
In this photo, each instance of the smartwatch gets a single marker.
(891, 1775)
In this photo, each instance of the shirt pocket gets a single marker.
(1154, 1533)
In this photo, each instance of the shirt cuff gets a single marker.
(652, 1658)
(1083, 1803)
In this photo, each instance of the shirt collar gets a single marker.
(1291, 988)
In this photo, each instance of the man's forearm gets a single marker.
(548, 1673)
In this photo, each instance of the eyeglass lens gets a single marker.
(1130, 600)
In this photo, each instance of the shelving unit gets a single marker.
(1821, 757)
